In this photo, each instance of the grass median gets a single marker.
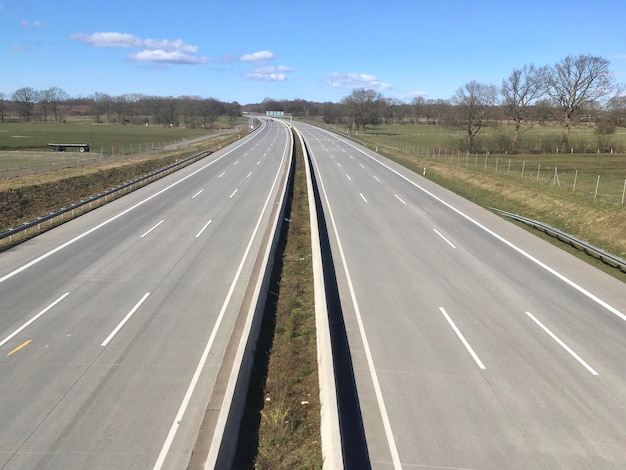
(281, 424)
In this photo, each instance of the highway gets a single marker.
(475, 344)
(114, 326)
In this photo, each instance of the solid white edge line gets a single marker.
(204, 228)
(444, 238)
(151, 229)
(32, 320)
(562, 344)
(115, 217)
(126, 318)
(205, 354)
(222, 419)
(462, 338)
(511, 245)
(368, 354)
(332, 453)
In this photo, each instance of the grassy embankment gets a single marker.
(600, 220)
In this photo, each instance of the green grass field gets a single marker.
(24, 145)
(495, 140)
(595, 175)
(35, 136)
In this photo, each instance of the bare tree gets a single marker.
(577, 84)
(233, 111)
(122, 107)
(519, 91)
(617, 110)
(363, 109)
(103, 104)
(188, 105)
(3, 106)
(43, 99)
(25, 100)
(210, 109)
(56, 97)
(473, 100)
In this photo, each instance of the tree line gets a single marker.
(54, 104)
(576, 89)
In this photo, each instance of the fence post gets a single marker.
(538, 170)
(575, 178)
(523, 166)
(623, 192)
(597, 184)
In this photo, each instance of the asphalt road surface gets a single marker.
(475, 344)
(113, 326)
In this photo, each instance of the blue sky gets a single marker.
(319, 50)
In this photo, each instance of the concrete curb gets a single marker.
(332, 453)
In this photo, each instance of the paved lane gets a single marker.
(475, 344)
(105, 341)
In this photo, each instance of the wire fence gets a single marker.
(608, 186)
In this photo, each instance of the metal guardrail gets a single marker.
(33, 223)
(591, 250)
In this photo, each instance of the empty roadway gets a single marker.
(475, 344)
(113, 326)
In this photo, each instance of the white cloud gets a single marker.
(122, 40)
(266, 77)
(156, 51)
(178, 45)
(258, 56)
(160, 56)
(352, 81)
(270, 73)
(272, 69)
